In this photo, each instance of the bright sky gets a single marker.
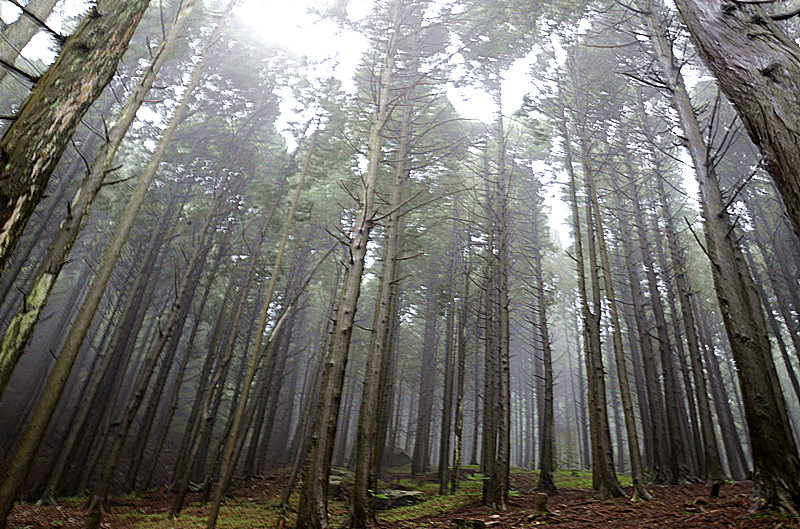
(289, 24)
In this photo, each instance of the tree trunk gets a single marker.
(420, 461)
(777, 466)
(173, 404)
(604, 478)
(737, 463)
(314, 493)
(758, 67)
(32, 146)
(182, 297)
(381, 340)
(21, 327)
(637, 472)
(713, 465)
(227, 458)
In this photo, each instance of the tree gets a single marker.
(314, 493)
(757, 66)
(777, 466)
(604, 478)
(32, 146)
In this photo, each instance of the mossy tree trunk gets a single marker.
(33, 144)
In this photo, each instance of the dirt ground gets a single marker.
(674, 507)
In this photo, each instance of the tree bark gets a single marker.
(757, 66)
(32, 146)
(21, 327)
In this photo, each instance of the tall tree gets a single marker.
(32, 146)
(757, 65)
(313, 513)
(777, 466)
(604, 478)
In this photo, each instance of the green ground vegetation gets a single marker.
(262, 510)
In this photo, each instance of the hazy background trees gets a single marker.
(554, 287)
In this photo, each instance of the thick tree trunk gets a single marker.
(36, 429)
(752, 74)
(758, 67)
(32, 146)
(21, 327)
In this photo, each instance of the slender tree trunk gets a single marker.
(115, 354)
(173, 404)
(194, 418)
(227, 458)
(539, 320)
(637, 471)
(182, 297)
(157, 391)
(420, 460)
(314, 493)
(604, 478)
(447, 397)
(713, 465)
(381, 341)
(737, 463)
(461, 360)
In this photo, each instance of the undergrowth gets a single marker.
(264, 510)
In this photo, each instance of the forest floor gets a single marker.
(257, 506)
